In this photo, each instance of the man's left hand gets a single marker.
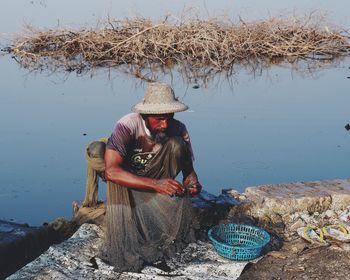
(191, 183)
(194, 189)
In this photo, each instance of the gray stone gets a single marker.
(307, 218)
(19, 244)
(234, 193)
(330, 213)
(293, 205)
(76, 258)
(318, 196)
(298, 224)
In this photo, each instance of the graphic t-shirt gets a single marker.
(133, 141)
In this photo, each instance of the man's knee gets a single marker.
(97, 149)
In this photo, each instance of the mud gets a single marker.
(299, 260)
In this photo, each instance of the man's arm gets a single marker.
(190, 180)
(114, 172)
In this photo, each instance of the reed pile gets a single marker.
(195, 47)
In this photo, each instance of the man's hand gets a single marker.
(168, 187)
(191, 183)
(194, 189)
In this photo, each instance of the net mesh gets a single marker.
(142, 226)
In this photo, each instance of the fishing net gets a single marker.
(143, 226)
(94, 155)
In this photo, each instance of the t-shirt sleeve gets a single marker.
(186, 136)
(120, 139)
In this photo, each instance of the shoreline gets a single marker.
(279, 208)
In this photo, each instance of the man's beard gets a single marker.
(160, 136)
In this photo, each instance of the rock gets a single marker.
(344, 246)
(318, 263)
(286, 199)
(77, 258)
(59, 223)
(277, 255)
(298, 224)
(330, 213)
(234, 193)
(295, 247)
(344, 216)
(282, 208)
(20, 244)
(307, 218)
(276, 218)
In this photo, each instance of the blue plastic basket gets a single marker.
(238, 242)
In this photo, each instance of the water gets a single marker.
(278, 127)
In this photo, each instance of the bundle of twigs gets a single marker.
(197, 47)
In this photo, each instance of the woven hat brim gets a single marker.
(164, 108)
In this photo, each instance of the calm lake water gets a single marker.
(277, 127)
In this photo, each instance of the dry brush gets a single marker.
(197, 48)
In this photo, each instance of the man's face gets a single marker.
(158, 126)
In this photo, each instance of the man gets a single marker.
(148, 211)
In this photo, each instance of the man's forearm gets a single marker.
(114, 172)
(125, 178)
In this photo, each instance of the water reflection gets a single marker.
(270, 129)
(279, 126)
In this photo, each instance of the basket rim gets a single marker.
(268, 238)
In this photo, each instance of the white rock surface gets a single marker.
(72, 260)
(282, 199)
(295, 204)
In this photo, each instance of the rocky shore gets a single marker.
(20, 244)
(281, 209)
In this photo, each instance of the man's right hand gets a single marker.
(168, 187)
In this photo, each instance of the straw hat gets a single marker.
(159, 99)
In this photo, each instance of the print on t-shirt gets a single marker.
(139, 161)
